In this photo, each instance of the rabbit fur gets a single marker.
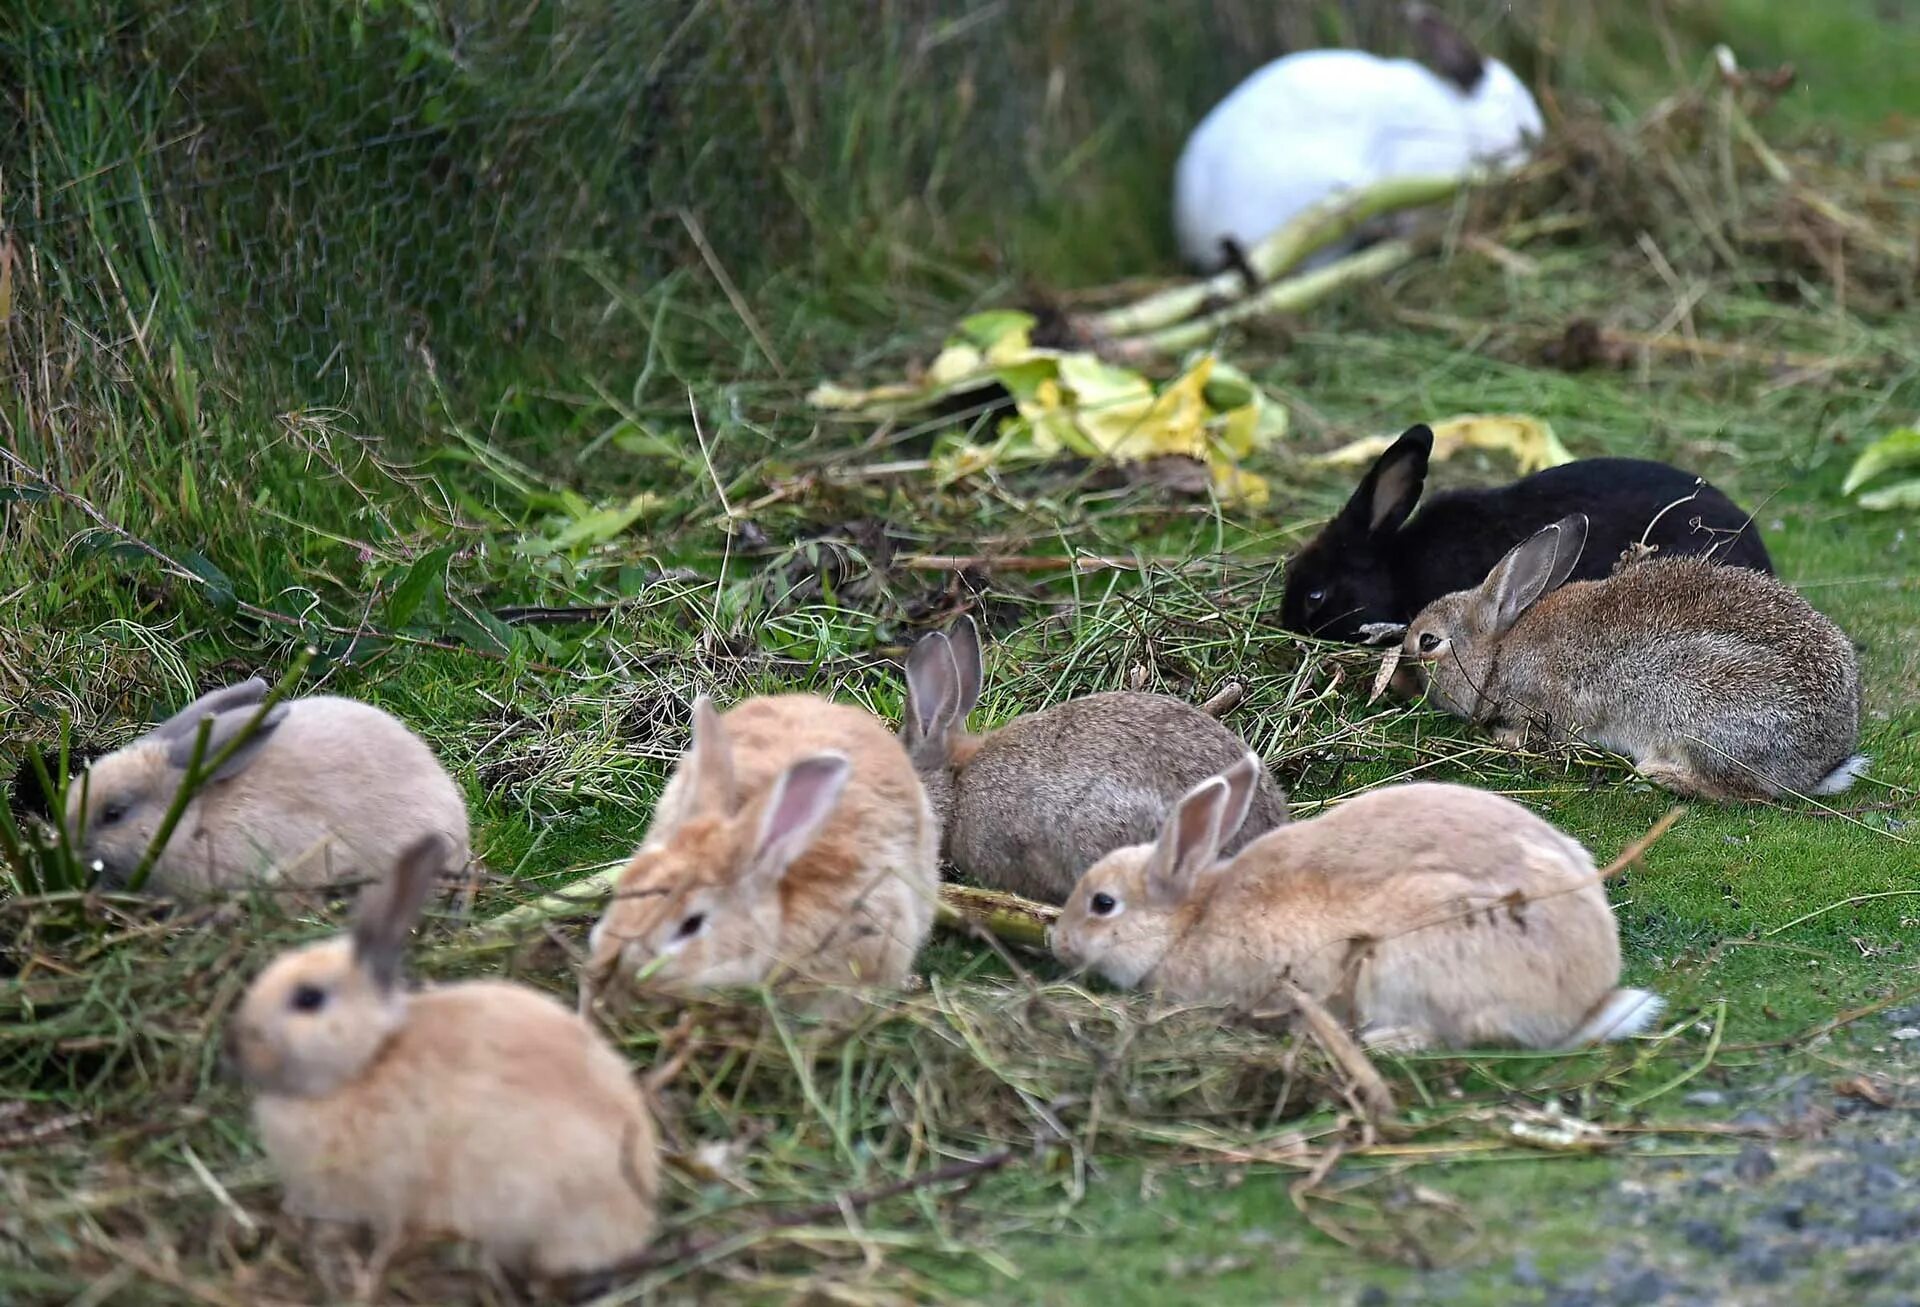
(483, 1110)
(1372, 565)
(1424, 915)
(1312, 124)
(1029, 806)
(325, 789)
(794, 841)
(1719, 683)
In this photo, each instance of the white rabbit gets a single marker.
(1318, 122)
(324, 789)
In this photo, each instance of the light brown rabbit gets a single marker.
(325, 789)
(1719, 682)
(482, 1110)
(792, 843)
(1425, 915)
(1031, 805)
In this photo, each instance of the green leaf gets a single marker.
(1903, 494)
(1896, 449)
(219, 585)
(601, 525)
(426, 575)
(986, 328)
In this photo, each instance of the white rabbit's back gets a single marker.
(1302, 128)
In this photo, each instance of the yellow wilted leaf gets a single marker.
(1529, 440)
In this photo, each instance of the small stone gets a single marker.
(1882, 1222)
(1708, 1236)
(1644, 1286)
(1880, 1178)
(1905, 1032)
(1754, 1121)
(1705, 1098)
(1759, 1262)
(1755, 1163)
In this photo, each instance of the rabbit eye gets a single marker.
(112, 812)
(693, 925)
(1103, 905)
(1430, 642)
(309, 998)
(1317, 597)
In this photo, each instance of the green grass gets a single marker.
(361, 327)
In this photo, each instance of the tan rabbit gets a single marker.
(1030, 806)
(793, 843)
(481, 1110)
(1425, 915)
(324, 789)
(1719, 682)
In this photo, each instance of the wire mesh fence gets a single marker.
(353, 205)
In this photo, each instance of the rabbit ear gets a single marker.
(709, 761)
(1392, 486)
(1533, 568)
(933, 686)
(226, 726)
(1443, 48)
(387, 909)
(211, 704)
(1241, 779)
(1189, 842)
(965, 640)
(802, 799)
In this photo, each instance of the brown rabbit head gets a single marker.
(318, 1016)
(701, 908)
(1131, 906)
(1455, 640)
(116, 809)
(943, 685)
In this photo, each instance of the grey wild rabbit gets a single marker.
(1719, 682)
(1029, 806)
(325, 789)
(793, 843)
(1422, 915)
(482, 1109)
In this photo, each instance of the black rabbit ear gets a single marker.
(1534, 568)
(1441, 47)
(1392, 486)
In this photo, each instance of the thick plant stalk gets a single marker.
(1332, 219)
(578, 899)
(1288, 296)
(1007, 917)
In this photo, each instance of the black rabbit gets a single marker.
(1370, 565)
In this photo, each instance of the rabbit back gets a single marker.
(1372, 563)
(1301, 129)
(493, 1115)
(879, 849)
(1048, 795)
(1422, 913)
(1457, 536)
(1722, 683)
(337, 791)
